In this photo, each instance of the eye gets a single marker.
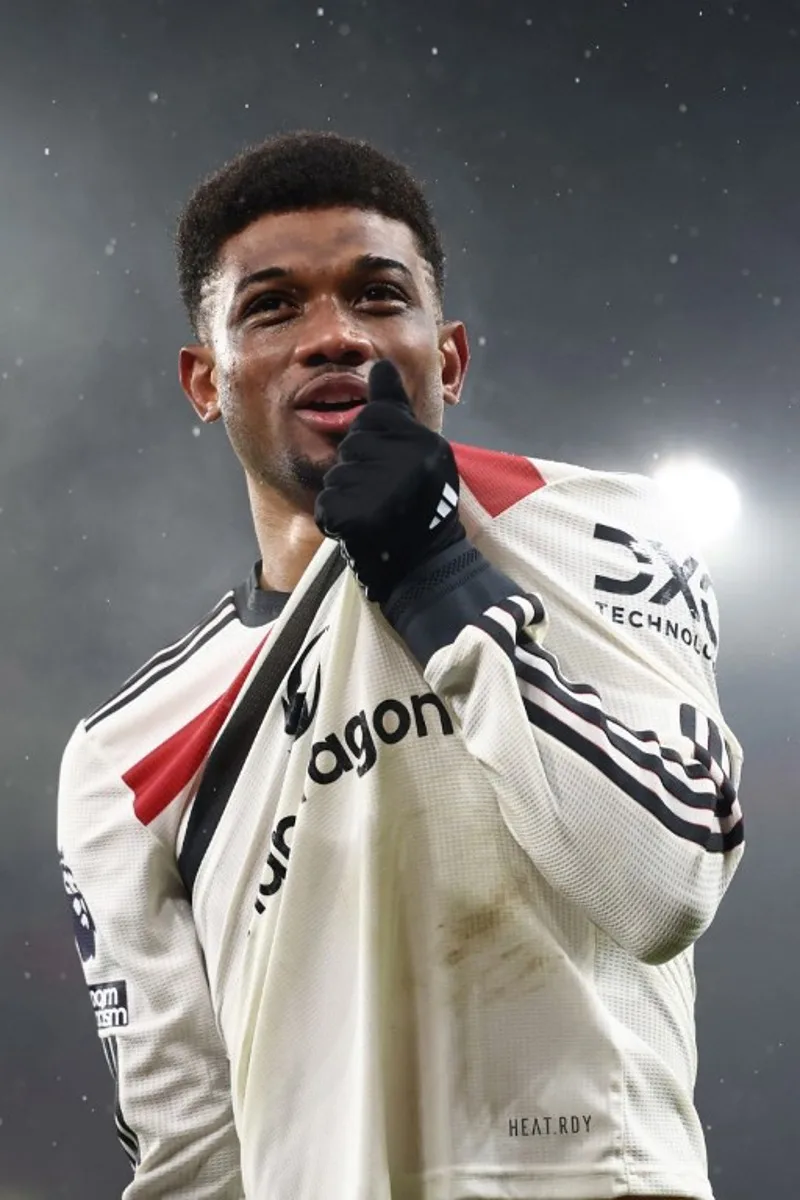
(267, 302)
(383, 293)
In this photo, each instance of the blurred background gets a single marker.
(618, 186)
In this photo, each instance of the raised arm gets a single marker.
(616, 775)
(619, 781)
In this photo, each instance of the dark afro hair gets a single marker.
(288, 173)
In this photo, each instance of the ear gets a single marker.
(198, 376)
(454, 356)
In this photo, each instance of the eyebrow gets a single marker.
(365, 262)
(262, 276)
(377, 262)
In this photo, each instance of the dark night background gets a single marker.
(618, 186)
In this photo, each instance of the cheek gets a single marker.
(430, 398)
(420, 361)
(249, 382)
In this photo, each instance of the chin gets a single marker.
(307, 471)
(296, 474)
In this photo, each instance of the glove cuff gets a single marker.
(443, 595)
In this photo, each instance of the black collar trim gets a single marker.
(254, 606)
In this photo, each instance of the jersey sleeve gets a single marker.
(620, 782)
(147, 987)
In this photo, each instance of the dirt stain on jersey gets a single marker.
(489, 947)
(495, 964)
(468, 929)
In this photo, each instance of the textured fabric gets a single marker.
(439, 945)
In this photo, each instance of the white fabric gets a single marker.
(475, 980)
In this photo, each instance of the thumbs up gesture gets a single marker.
(391, 499)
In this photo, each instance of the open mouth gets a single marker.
(333, 405)
(331, 416)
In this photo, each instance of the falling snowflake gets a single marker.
(152, 97)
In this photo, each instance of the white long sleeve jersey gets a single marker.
(423, 929)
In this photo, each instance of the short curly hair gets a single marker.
(288, 173)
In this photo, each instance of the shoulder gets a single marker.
(133, 761)
(606, 544)
(169, 695)
(574, 516)
(498, 481)
(174, 659)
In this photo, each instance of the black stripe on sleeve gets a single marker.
(582, 704)
(498, 633)
(715, 743)
(703, 768)
(127, 1138)
(712, 841)
(647, 752)
(689, 722)
(172, 661)
(526, 611)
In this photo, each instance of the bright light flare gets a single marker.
(703, 499)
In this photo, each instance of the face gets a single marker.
(304, 303)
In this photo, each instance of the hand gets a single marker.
(391, 499)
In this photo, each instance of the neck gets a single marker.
(287, 536)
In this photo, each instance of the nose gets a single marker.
(332, 335)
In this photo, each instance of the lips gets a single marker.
(328, 405)
(332, 393)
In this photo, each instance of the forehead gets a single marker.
(318, 242)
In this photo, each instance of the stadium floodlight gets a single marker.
(702, 497)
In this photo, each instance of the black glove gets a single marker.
(391, 500)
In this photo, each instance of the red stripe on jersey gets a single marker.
(496, 480)
(163, 773)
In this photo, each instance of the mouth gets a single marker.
(331, 403)
(330, 417)
(332, 387)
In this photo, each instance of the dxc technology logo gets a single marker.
(677, 585)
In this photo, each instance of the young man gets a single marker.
(386, 877)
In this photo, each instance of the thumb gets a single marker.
(385, 384)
